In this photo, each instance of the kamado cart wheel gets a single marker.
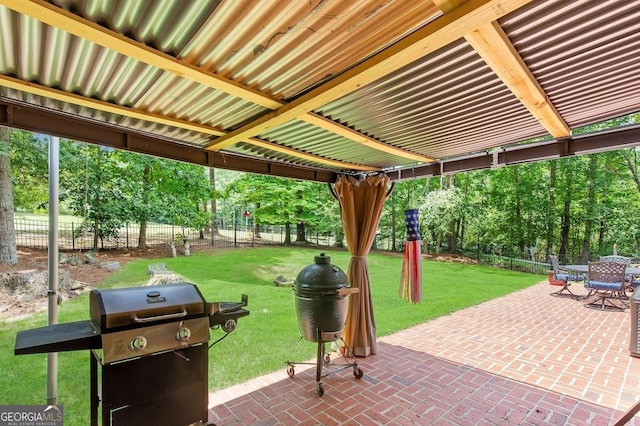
(357, 372)
(290, 370)
(327, 358)
(320, 389)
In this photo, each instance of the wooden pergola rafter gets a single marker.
(475, 20)
(73, 24)
(494, 47)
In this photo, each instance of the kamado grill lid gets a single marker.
(321, 275)
(137, 306)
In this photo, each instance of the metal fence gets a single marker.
(71, 236)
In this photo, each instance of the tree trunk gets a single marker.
(393, 222)
(96, 222)
(146, 178)
(201, 230)
(601, 232)
(256, 224)
(8, 251)
(287, 233)
(300, 233)
(565, 222)
(452, 238)
(631, 160)
(518, 211)
(339, 238)
(463, 220)
(214, 206)
(551, 208)
(591, 207)
(142, 238)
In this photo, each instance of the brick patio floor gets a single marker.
(526, 358)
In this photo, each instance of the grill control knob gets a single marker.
(229, 325)
(183, 334)
(138, 343)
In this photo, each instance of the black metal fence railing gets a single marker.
(71, 236)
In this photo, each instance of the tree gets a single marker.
(591, 206)
(281, 201)
(214, 204)
(551, 208)
(109, 188)
(471, 221)
(29, 155)
(176, 192)
(8, 251)
(95, 186)
(139, 171)
(440, 207)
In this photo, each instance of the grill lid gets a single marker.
(137, 306)
(321, 276)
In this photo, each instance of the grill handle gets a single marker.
(180, 314)
(347, 291)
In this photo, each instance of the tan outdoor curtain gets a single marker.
(361, 204)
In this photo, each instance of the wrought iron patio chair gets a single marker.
(616, 258)
(632, 281)
(606, 284)
(564, 276)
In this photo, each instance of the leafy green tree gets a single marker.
(281, 201)
(92, 181)
(29, 155)
(439, 209)
(109, 188)
(183, 189)
(270, 200)
(471, 223)
(591, 214)
(325, 211)
(550, 210)
(139, 173)
(214, 196)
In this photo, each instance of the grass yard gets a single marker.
(269, 336)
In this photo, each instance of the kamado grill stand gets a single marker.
(152, 345)
(321, 300)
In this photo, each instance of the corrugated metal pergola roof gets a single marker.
(312, 89)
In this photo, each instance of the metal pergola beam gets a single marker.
(610, 140)
(41, 120)
(58, 124)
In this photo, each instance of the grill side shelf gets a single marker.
(222, 318)
(71, 336)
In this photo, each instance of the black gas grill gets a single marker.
(152, 345)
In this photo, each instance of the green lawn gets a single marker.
(269, 336)
(63, 218)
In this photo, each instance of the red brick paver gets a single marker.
(524, 359)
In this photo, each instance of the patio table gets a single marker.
(631, 270)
